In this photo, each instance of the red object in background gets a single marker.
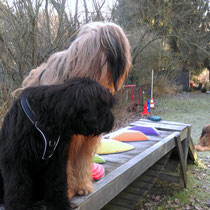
(145, 111)
(192, 85)
(132, 97)
(130, 86)
(139, 96)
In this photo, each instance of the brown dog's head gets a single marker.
(100, 51)
(205, 136)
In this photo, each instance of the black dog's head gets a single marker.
(79, 106)
(88, 109)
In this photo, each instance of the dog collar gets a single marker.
(49, 145)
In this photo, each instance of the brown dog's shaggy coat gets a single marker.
(100, 51)
(204, 141)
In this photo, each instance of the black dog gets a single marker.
(35, 137)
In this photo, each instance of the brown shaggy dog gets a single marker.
(100, 51)
(204, 141)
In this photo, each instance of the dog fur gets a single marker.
(100, 51)
(204, 141)
(78, 107)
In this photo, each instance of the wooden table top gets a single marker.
(121, 169)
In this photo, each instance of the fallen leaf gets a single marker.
(168, 206)
(169, 202)
(197, 200)
(192, 199)
(198, 208)
(208, 203)
(157, 198)
(187, 207)
(148, 204)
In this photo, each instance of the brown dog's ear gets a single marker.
(116, 60)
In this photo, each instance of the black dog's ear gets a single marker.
(90, 113)
(100, 117)
(105, 116)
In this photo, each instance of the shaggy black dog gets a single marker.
(35, 137)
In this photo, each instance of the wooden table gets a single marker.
(123, 168)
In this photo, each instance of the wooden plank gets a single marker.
(185, 144)
(162, 133)
(139, 188)
(158, 123)
(171, 165)
(144, 178)
(184, 134)
(167, 122)
(127, 199)
(116, 181)
(192, 152)
(169, 177)
(182, 160)
(133, 197)
(124, 201)
(142, 184)
(114, 207)
(115, 160)
(160, 126)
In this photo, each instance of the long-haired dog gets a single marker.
(204, 141)
(97, 50)
(35, 137)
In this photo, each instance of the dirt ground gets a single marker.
(191, 108)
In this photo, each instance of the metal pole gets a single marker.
(152, 84)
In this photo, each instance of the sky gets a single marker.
(71, 4)
(70, 9)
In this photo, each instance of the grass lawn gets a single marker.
(194, 109)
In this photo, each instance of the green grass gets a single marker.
(194, 109)
(189, 108)
(195, 195)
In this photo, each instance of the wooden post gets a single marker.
(132, 97)
(139, 101)
(183, 173)
(192, 152)
(185, 145)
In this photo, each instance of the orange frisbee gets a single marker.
(131, 136)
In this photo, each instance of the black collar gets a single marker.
(49, 145)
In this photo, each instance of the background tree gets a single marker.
(181, 28)
(170, 36)
(30, 31)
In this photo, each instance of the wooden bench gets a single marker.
(123, 168)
